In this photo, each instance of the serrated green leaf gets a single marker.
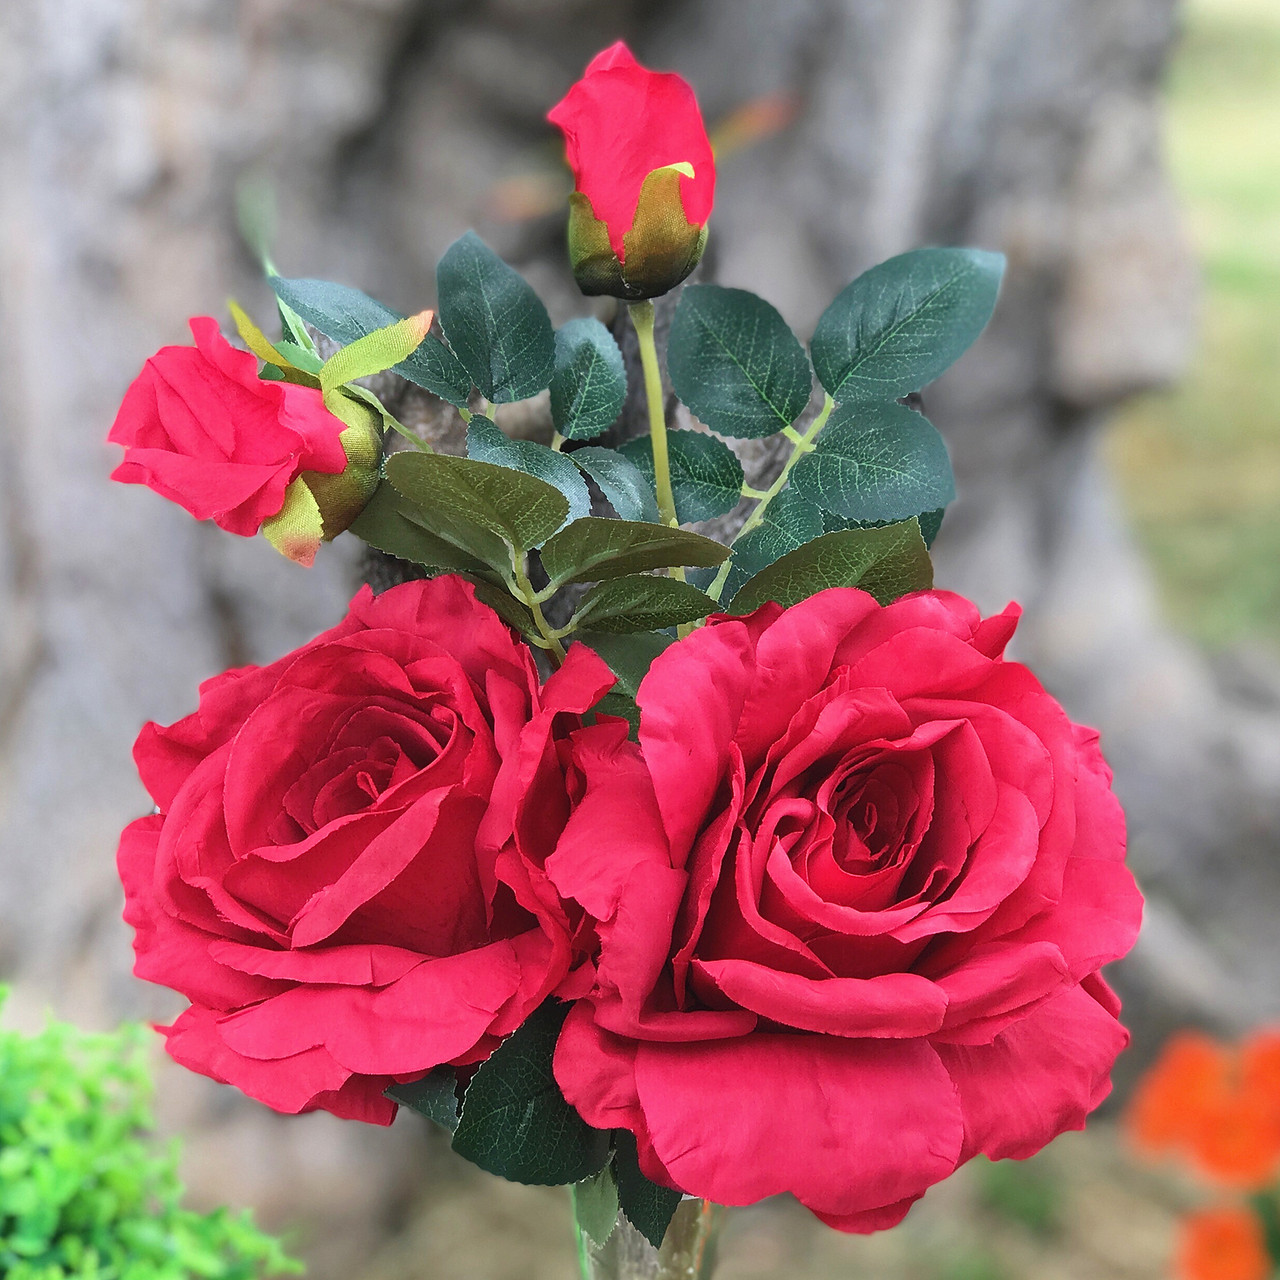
(595, 1205)
(641, 602)
(621, 481)
(589, 385)
(347, 315)
(385, 525)
(649, 1207)
(487, 443)
(495, 323)
(629, 656)
(519, 508)
(434, 1096)
(593, 549)
(515, 1122)
(375, 352)
(901, 324)
(735, 363)
(876, 462)
(706, 476)
(887, 562)
(930, 524)
(789, 522)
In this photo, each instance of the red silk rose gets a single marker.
(314, 881)
(203, 430)
(861, 944)
(644, 172)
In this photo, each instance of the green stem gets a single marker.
(642, 318)
(687, 1253)
(528, 596)
(803, 443)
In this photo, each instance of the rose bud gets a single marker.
(203, 430)
(645, 177)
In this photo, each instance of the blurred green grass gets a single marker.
(1200, 466)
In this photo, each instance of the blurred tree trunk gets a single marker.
(387, 127)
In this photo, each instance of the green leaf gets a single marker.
(930, 523)
(621, 481)
(877, 462)
(592, 549)
(519, 508)
(629, 656)
(347, 315)
(789, 522)
(595, 1205)
(641, 602)
(385, 525)
(898, 326)
(487, 443)
(297, 529)
(434, 1096)
(589, 385)
(887, 562)
(706, 476)
(505, 605)
(735, 363)
(515, 1122)
(649, 1207)
(375, 352)
(494, 321)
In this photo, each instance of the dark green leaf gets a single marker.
(789, 522)
(735, 363)
(886, 562)
(595, 1205)
(515, 1121)
(347, 315)
(901, 324)
(589, 550)
(876, 462)
(495, 323)
(621, 481)
(623, 706)
(706, 476)
(641, 602)
(589, 386)
(649, 1207)
(434, 1096)
(487, 443)
(629, 656)
(930, 523)
(383, 524)
(520, 508)
(505, 605)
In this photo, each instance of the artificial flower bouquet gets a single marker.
(664, 869)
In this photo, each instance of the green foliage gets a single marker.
(84, 1192)
(495, 323)
(486, 443)
(735, 363)
(629, 656)
(387, 523)
(594, 549)
(901, 324)
(589, 385)
(788, 523)
(649, 1207)
(595, 1204)
(434, 1096)
(706, 477)
(1024, 1192)
(641, 602)
(621, 481)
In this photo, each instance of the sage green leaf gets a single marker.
(596, 548)
(930, 523)
(347, 315)
(383, 524)
(876, 462)
(495, 323)
(621, 481)
(789, 522)
(515, 1122)
(595, 1205)
(649, 1207)
(434, 1096)
(887, 562)
(901, 324)
(589, 385)
(641, 602)
(629, 656)
(706, 476)
(519, 508)
(487, 443)
(375, 352)
(735, 363)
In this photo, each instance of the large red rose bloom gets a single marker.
(203, 430)
(856, 940)
(341, 877)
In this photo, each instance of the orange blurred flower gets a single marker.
(1223, 1244)
(1182, 1087)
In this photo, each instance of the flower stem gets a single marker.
(688, 1252)
(642, 318)
(525, 593)
(803, 443)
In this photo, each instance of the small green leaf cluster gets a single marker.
(511, 1119)
(83, 1192)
